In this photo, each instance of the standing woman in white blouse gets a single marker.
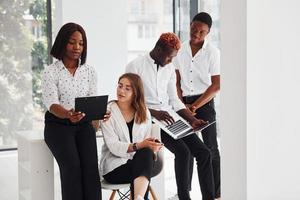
(71, 140)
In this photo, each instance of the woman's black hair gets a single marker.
(59, 47)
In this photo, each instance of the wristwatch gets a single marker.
(134, 147)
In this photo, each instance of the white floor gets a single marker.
(9, 179)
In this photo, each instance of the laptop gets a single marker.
(180, 128)
(94, 107)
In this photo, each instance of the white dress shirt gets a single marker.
(159, 85)
(116, 138)
(59, 86)
(196, 72)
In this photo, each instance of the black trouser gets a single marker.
(184, 149)
(207, 112)
(141, 165)
(74, 148)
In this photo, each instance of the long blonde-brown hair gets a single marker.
(138, 99)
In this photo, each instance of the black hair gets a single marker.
(58, 49)
(204, 18)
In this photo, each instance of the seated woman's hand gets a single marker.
(151, 143)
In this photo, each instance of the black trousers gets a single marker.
(184, 150)
(141, 165)
(207, 112)
(74, 148)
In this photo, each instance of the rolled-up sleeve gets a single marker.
(174, 100)
(111, 139)
(49, 88)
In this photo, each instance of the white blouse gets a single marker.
(196, 72)
(59, 86)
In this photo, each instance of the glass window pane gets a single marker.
(182, 19)
(213, 8)
(23, 55)
(147, 19)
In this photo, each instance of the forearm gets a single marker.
(59, 111)
(178, 85)
(208, 95)
(184, 113)
(153, 112)
(179, 91)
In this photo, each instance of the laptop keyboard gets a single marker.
(177, 127)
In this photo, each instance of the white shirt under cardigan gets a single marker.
(59, 86)
(196, 72)
(116, 138)
(159, 85)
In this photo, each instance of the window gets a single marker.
(147, 19)
(23, 55)
(140, 31)
(213, 8)
(182, 19)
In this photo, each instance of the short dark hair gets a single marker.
(58, 49)
(204, 18)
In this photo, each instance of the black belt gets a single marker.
(191, 99)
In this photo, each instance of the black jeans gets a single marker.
(184, 150)
(141, 165)
(74, 148)
(207, 112)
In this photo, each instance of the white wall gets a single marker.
(260, 99)
(233, 100)
(105, 23)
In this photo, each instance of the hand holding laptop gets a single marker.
(180, 128)
(162, 116)
(198, 124)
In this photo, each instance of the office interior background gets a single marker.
(258, 102)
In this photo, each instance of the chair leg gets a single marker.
(131, 196)
(112, 196)
(152, 193)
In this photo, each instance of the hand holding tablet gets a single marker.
(93, 107)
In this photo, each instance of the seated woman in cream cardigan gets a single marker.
(129, 150)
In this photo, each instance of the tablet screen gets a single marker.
(94, 107)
